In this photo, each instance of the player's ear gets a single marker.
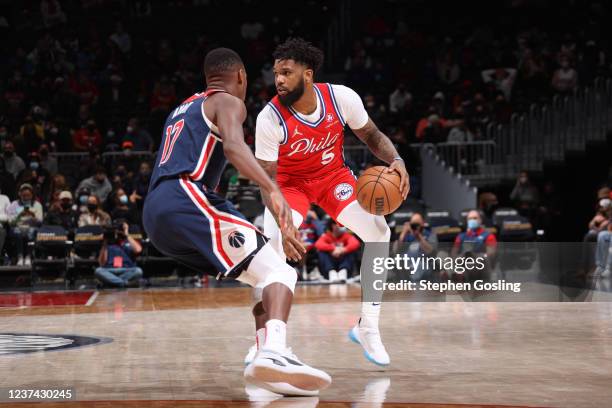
(241, 76)
(309, 76)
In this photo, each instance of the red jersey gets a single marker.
(311, 149)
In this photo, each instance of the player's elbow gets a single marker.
(230, 149)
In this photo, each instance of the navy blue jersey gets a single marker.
(189, 146)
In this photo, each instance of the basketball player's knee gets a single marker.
(283, 274)
(381, 232)
(386, 233)
(267, 268)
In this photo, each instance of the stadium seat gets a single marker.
(50, 253)
(154, 263)
(87, 244)
(516, 248)
(445, 226)
(501, 213)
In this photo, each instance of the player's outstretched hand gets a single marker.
(399, 167)
(292, 245)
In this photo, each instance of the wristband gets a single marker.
(397, 158)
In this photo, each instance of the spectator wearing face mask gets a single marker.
(35, 175)
(475, 241)
(336, 252)
(94, 215)
(25, 215)
(418, 241)
(62, 213)
(140, 138)
(13, 163)
(97, 184)
(81, 203)
(123, 208)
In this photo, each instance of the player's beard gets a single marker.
(292, 97)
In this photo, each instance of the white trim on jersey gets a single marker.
(219, 213)
(205, 154)
(209, 122)
(281, 122)
(211, 223)
(323, 113)
(333, 98)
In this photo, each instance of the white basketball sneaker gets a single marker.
(250, 355)
(370, 340)
(342, 275)
(283, 373)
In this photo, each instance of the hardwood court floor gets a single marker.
(185, 348)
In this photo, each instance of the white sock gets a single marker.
(260, 337)
(276, 335)
(370, 312)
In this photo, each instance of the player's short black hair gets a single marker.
(221, 60)
(301, 51)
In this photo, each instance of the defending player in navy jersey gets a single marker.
(188, 221)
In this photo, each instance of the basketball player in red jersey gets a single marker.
(299, 142)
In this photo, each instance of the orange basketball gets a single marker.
(379, 192)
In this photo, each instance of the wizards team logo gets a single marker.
(236, 239)
(343, 191)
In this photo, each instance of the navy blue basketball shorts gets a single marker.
(198, 227)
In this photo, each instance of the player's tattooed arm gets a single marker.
(383, 148)
(377, 142)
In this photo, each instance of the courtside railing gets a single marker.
(543, 134)
(548, 132)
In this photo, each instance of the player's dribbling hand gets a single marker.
(399, 167)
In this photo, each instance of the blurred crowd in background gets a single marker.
(98, 77)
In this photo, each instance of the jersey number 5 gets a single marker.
(172, 134)
(327, 156)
